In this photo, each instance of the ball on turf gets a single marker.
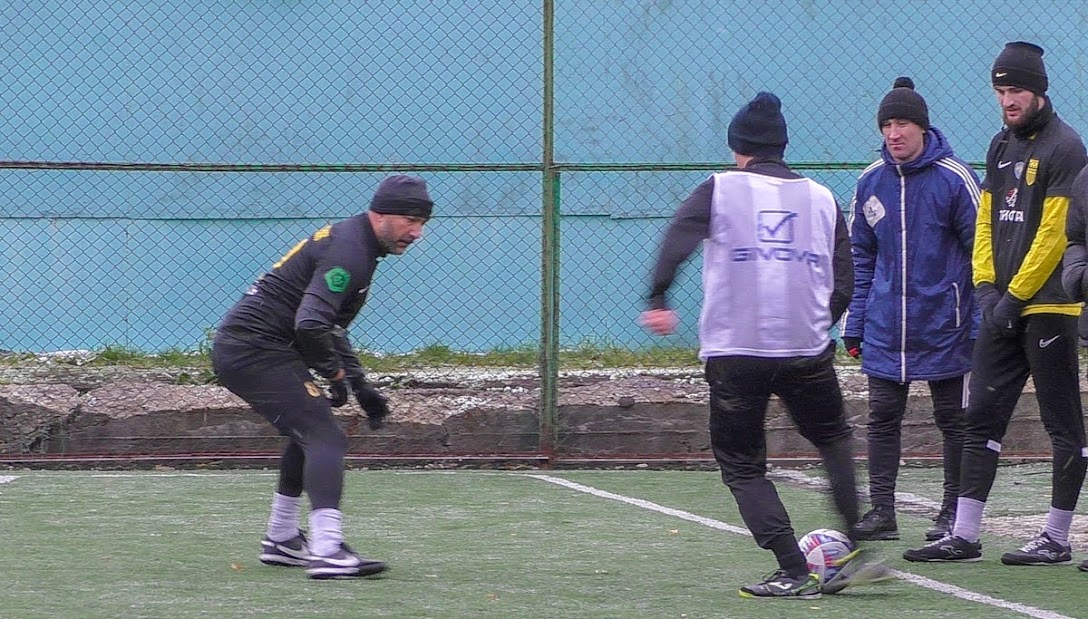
(822, 549)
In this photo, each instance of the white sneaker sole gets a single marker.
(327, 572)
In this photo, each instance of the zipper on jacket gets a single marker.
(902, 274)
(956, 289)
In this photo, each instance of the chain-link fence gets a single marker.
(159, 157)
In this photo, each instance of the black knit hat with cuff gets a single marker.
(902, 102)
(402, 195)
(1020, 65)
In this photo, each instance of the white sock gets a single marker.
(968, 519)
(283, 521)
(325, 533)
(1058, 522)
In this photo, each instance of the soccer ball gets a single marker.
(822, 548)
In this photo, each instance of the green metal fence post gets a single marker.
(549, 272)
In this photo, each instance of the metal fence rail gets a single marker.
(155, 159)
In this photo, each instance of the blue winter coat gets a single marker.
(912, 229)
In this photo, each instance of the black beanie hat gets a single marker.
(903, 102)
(759, 129)
(402, 195)
(1020, 65)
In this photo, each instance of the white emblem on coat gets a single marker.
(874, 211)
(1018, 169)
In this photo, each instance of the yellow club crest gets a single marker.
(1032, 171)
(312, 389)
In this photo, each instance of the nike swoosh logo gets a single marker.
(1044, 343)
(1000, 74)
(1004, 164)
(348, 561)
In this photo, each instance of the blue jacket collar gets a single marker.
(936, 147)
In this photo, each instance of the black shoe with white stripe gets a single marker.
(780, 584)
(949, 549)
(290, 553)
(344, 563)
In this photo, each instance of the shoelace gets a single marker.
(776, 575)
(1035, 544)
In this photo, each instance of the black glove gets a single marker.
(1005, 318)
(373, 403)
(852, 346)
(987, 296)
(338, 393)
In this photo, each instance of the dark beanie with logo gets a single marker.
(1020, 65)
(902, 102)
(402, 195)
(759, 129)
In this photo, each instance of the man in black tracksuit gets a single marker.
(292, 321)
(1029, 323)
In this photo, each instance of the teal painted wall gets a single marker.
(152, 259)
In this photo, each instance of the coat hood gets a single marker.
(936, 147)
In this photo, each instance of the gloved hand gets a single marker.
(338, 393)
(987, 296)
(371, 401)
(1005, 318)
(852, 346)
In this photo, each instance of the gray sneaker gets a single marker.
(1041, 550)
(290, 553)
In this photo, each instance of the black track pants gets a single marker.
(1047, 350)
(279, 387)
(887, 404)
(740, 388)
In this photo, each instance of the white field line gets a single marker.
(6, 479)
(709, 522)
(921, 581)
(901, 498)
(1022, 528)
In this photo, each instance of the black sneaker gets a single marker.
(942, 524)
(951, 548)
(291, 553)
(781, 585)
(857, 568)
(1041, 550)
(345, 563)
(877, 525)
(1083, 566)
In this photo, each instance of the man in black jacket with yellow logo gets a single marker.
(292, 321)
(1029, 323)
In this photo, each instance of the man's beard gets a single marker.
(1026, 114)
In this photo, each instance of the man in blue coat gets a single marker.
(912, 316)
